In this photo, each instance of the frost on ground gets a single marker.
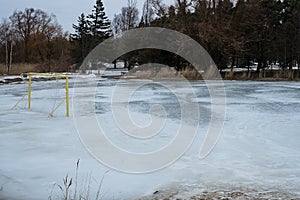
(259, 148)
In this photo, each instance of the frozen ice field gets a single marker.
(259, 148)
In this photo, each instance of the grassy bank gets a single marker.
(19, 68)
(269, 75)
(160, 72)
(190, 73)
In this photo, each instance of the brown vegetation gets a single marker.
(32, 36)
(19, 68)
(267, 75)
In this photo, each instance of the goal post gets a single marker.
(30, 80)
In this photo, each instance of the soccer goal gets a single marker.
(32, 77)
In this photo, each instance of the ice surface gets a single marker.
(259, 148)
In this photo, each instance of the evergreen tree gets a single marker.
(82, 28)
(99, 24)
(290, 33)
(81, 40)
(90, 31)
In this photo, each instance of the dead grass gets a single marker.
(70, 190)
(191, 73)
(158, 71)
(19, 68)
(267, 75)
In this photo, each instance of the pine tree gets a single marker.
(82, 28)
(99, 24)
(90, 31)
(81, 40)
(290, 33)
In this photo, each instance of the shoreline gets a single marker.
(234, 193)
(236, 76)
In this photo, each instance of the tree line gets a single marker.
(235, 33)
(32, 36)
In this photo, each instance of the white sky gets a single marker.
(66, 11)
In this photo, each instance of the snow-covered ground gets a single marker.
(254, 68)
(259, 148)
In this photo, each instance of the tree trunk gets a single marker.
(115, 64)
(233, 62)
(125, 64)
(6, 53)
(10, 56)
(261, 59)
(26, 51)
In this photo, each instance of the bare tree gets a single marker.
(6, 33)
(148, 12)
(183, 6)
(10, 55)
(130, 15)
(127, 19)
(117, 25)
(33, 28)
(24, 22)
(159, 8)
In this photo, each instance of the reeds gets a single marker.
(70, 190)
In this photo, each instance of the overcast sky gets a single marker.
(66, 11)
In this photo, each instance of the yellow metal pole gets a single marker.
(29, 90)
(67, 97)
(15, 106)
(52, 112)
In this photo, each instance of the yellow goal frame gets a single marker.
(66, 99)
